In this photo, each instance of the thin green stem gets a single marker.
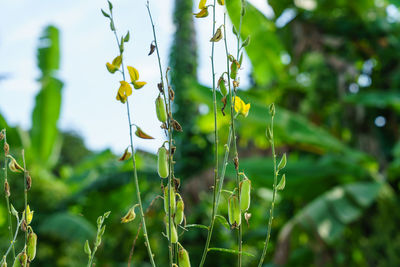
(232, 101)
(170, 159)
(216, 143)
(271, 210)
(13, 240)
(25, 197)
(10, 228)
(136, 180)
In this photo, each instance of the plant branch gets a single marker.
(271, 210)
(7, 192)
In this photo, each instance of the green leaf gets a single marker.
(232, 251)
(223, 221)
(105, 14)
(87, 248)
(68, 227)
(110, 6)
(329, 213)
(246, 42)
(196, 226)
(282, 183)
(282, 163)
(45, 139)
(266, 48)
(376, 99)
(127, 37)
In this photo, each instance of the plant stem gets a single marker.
(271, 210)
(13, 240)
(142, 218)
(170, 159)
(216, 143)
(6, 194)
(25, 197)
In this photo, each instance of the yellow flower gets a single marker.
(124, 91)
(114, 66)
(202, 4)
(134, 74)
(240, 106)
(202, 14)
(30, 215)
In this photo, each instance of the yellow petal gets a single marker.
(202, 14)
(133, 73)
(138, 85)
(240, 106)
(30, 215)
(246, 109)
(117, 61)
(111, 68)
(202, 4)
(125, 88)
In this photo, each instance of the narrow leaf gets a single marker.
(282, 163)
(127, 37)
(223, 221)
(282, 183)
(105, 13)
(196, 226)
(232, 251)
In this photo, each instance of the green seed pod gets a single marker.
(234, 214)
(163, 170)
(183, 256)
(222, 86)
(174, 233)
(31, 246)
(245, 188)
(20, 260)
(160, 109)
(179, 214)
(234, 69)
(173, 201)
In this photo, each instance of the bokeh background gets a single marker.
(331, 67)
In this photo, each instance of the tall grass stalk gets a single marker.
(7, 192)
(135, 176)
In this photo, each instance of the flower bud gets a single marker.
(222, 86)
(163, 170)
(160, 109)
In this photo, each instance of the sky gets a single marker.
(89, 107)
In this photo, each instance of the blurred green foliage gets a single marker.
(331, 69)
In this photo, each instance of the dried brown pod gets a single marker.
(7, 189)
(152, 48)
(6, 148)
(28, 182)
(177, 127)
(160, 87)
(223, 100)
(236, 162)
(171, 94)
